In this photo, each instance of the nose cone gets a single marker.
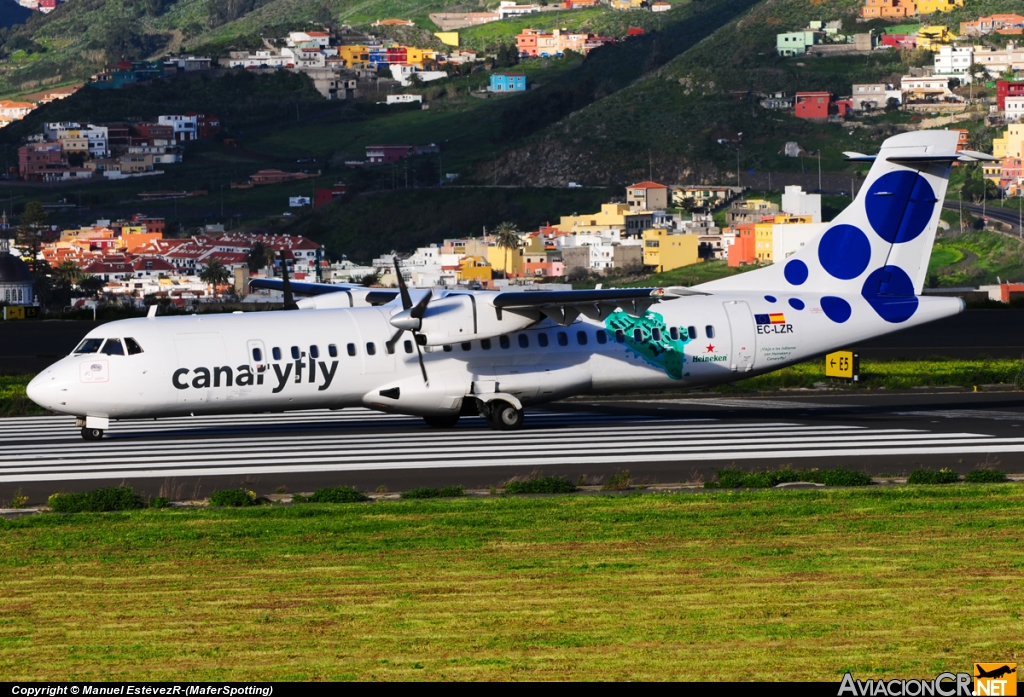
(45, 390)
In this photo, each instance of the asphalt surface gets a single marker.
(29, 347)
(671, 440)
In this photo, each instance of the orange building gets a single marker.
(744, 248)
(886, 9)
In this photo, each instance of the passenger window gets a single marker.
(673, 333)
(371, 350)
(542, 339)
(332, 350)
(133, 346)
(503, 341)
(113, 347)
(89, 346)
(638, 334)
(485, 344)
(524, 341)
(295, 352)
(563, 339)
(711, 331)
(602, 337)
(620, 336)
(656, 334)
(467, 345)
(351, 349)
(407, 345)
(447, 348)
(257, 356)
(691, 332)
(581, 337)
(314, 352)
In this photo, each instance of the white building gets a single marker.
(925, 87)
(317, 38)
(998, 60)
(403, 72)
(954, 61)
(403, 98)
(796, 201)
(185, 127)
(509, 8)
(1014, 109)
(867, 97)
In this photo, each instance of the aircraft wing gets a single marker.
(564, 306)
(374, 296)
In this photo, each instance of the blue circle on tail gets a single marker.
(795, 272)
(844, 252)
(899, 206)
(836, 309)
(890, 292)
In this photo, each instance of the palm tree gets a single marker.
(269, 255)
(215, 273)
(507, 236)
(68, 272)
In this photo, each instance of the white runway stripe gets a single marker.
(755, 403)
(49, 448)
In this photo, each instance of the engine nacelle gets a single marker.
(458, 317)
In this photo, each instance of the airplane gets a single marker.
(445, 353)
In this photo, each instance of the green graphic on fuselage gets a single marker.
(655, 343)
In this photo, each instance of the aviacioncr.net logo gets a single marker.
(944, 685)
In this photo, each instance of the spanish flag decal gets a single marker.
(774, 318)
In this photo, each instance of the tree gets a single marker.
(31, 219)
(91, 285)
(507, 236)
(215, 273)
(891, 104)
(69, 273)
(257, 257)
(268, 257)
(370, 279)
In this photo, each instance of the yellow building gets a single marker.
(763, 242)
(512, 262)
(612, 216)
(786, 219)
(448, 38)
(993, 171)
(934, 37)
(927, 7)
(666, 252)
(474, 269)
(1012, 142)
(354, 56)
(416, 56)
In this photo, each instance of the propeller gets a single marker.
(410, 319)
(286, 283)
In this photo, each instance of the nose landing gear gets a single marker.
(92, 433)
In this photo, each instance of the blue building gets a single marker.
(508, 82)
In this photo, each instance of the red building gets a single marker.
(152, 224)
(207, 125)
(322, 197)
(813, 105)
(1005, 88)
(907, 41)
(154, 134)
(36, 159)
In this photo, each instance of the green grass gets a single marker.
(13, 400)
(975, 258)
(897, 582)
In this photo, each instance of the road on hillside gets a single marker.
(1003, 215)
(666, 441)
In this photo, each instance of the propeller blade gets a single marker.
(402, 289)
(423, 368)
(286, 285)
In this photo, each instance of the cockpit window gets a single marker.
(113, 347)
(133, 346)
(89, 346)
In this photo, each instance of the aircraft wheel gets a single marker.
(92, 433)
(442, 421)
(505, 417)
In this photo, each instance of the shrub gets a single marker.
(19, 500)
(431, 493)
(984, 476)
(159, 502)
(114, 498)
(732, 478)
(541, 485)
(233, 498)
(334, 494)
(617, 482)
(942, 476)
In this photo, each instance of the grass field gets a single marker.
(735, 586)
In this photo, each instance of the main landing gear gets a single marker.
(503, 416)
(92, 433)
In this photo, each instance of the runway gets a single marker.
(670, 440)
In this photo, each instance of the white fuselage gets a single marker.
(278, 361)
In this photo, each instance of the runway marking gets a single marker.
(755, 403)
(966, 414)
(295, 443)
